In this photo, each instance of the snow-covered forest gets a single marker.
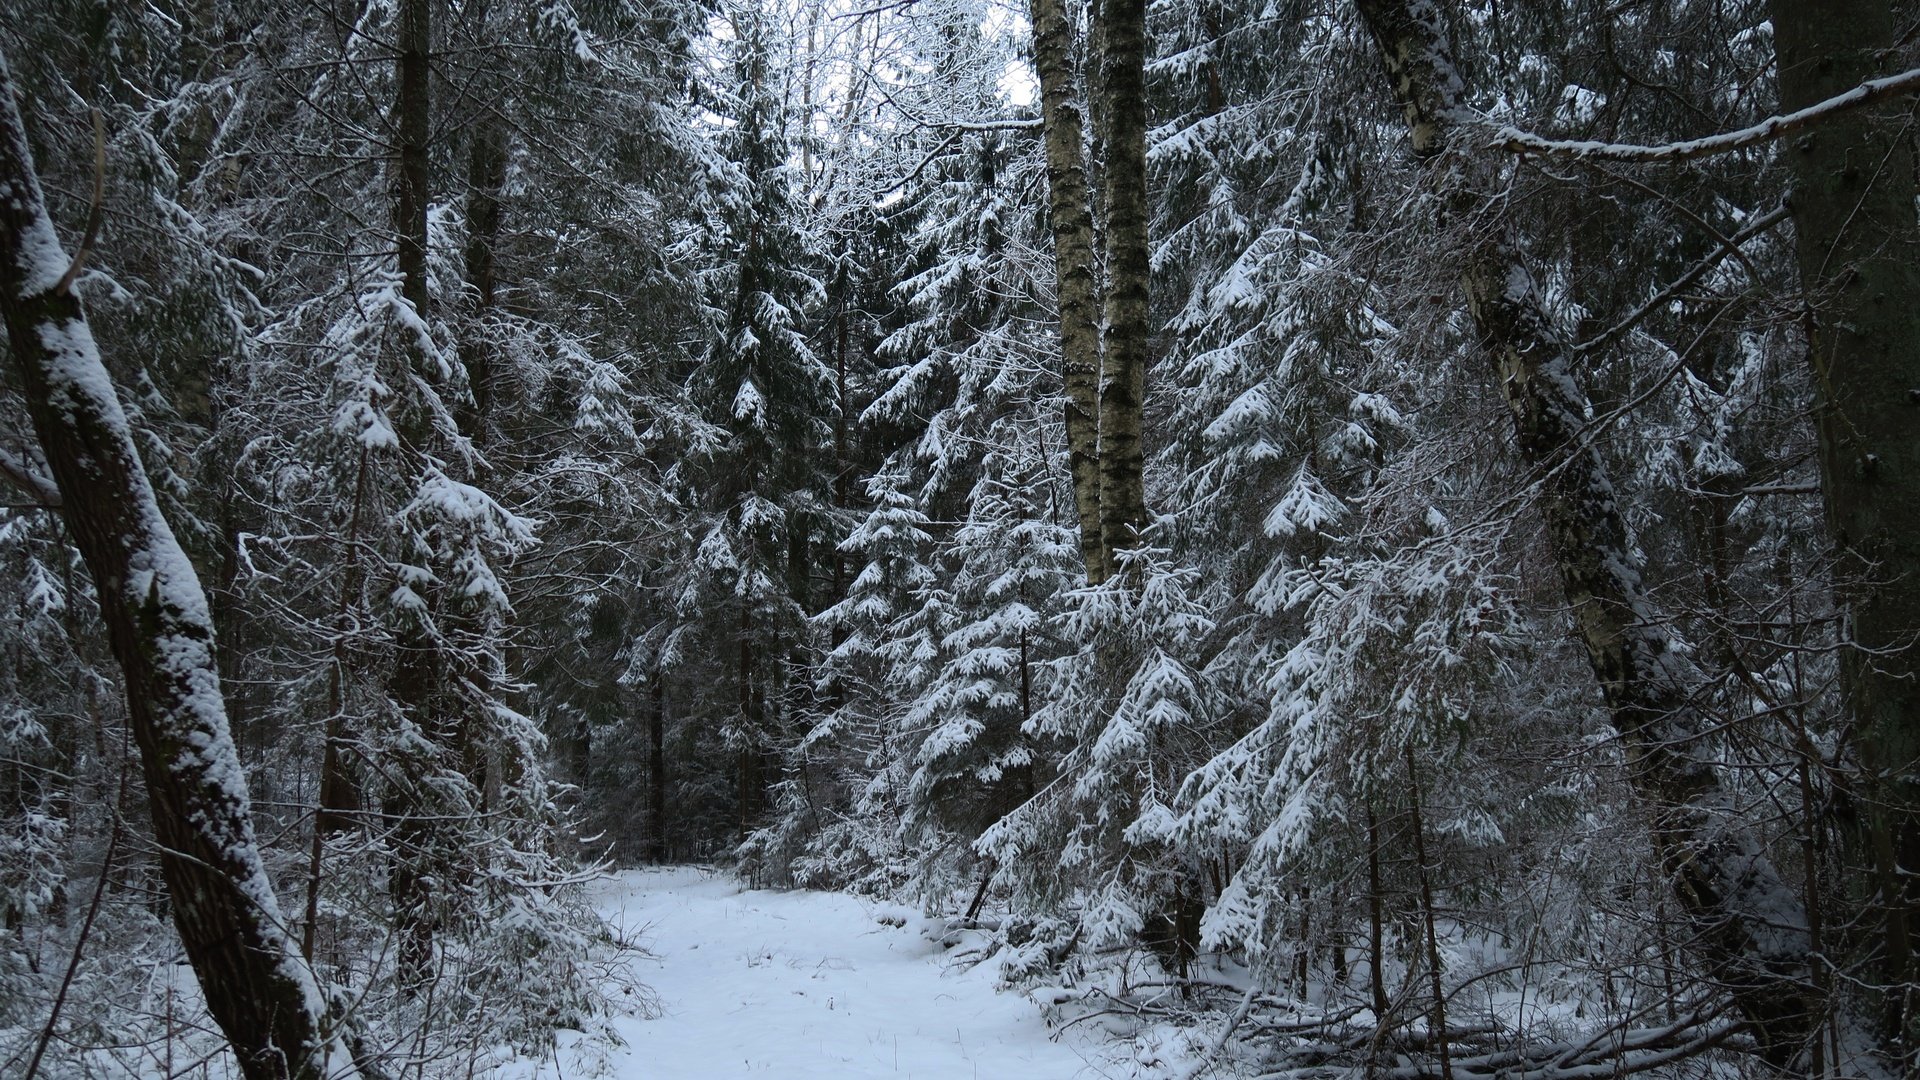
(1278, 538)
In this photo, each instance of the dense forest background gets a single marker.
(1398, 519)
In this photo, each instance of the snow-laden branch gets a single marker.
(920, 121)
(20, 472)
(1514, 140)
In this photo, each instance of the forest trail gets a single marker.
(754, 983)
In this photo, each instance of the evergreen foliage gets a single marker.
(696, 470)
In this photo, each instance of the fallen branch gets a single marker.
(1609, 1052)
(1220, 1041)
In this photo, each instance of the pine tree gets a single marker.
(975, 757)
(763, 385)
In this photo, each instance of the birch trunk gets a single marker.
(1125, 332)
(1063, 131)
(263, 997)
(1747, 926)
(1853, 215)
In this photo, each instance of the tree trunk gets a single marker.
(747, 766)
(1435, 976)
(262, 996)
(412, 132)
(842, 465)
(1125, 333)
(1376, 926)
(410, 814)
(414, 685)
(1853, 216)
(486, 175)
(341, 798)
(657, 849)
(1747, 926)
(1062, 129)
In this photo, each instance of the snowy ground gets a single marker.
(811, 984)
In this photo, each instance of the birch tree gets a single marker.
(1062, 122)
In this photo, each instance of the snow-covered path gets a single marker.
(810, 984)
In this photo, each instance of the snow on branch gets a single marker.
(922, 121)
(1516, 141)
(21, 473)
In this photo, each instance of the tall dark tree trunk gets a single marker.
(486, 175)
(414, 686)
(412, 135)
(1376, 925)
(842, 464)
(260, 993)
(340, 795)
(1746, 923)
(747, 765)
(657, 847)
(1126, 334)
(1853, 215)
(1063, 132)
(1425, 871)
(415, 683)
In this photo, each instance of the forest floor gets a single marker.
(753, 983)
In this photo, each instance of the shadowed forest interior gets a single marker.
(1320, 538)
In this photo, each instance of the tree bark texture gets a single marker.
(412, 136)
(263, 997)
(415, 684)
(657, 849)
(486, 176)
(417, 859)
(1853, 215)
(1747, 926)
(1125, 334)
(1063, 132)
(747, 773)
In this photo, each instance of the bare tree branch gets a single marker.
(93, 212)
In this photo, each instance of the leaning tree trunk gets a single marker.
(1062, 130)
(263, 997)
(1125, 333)
(1747, 925)
(1853, 213)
